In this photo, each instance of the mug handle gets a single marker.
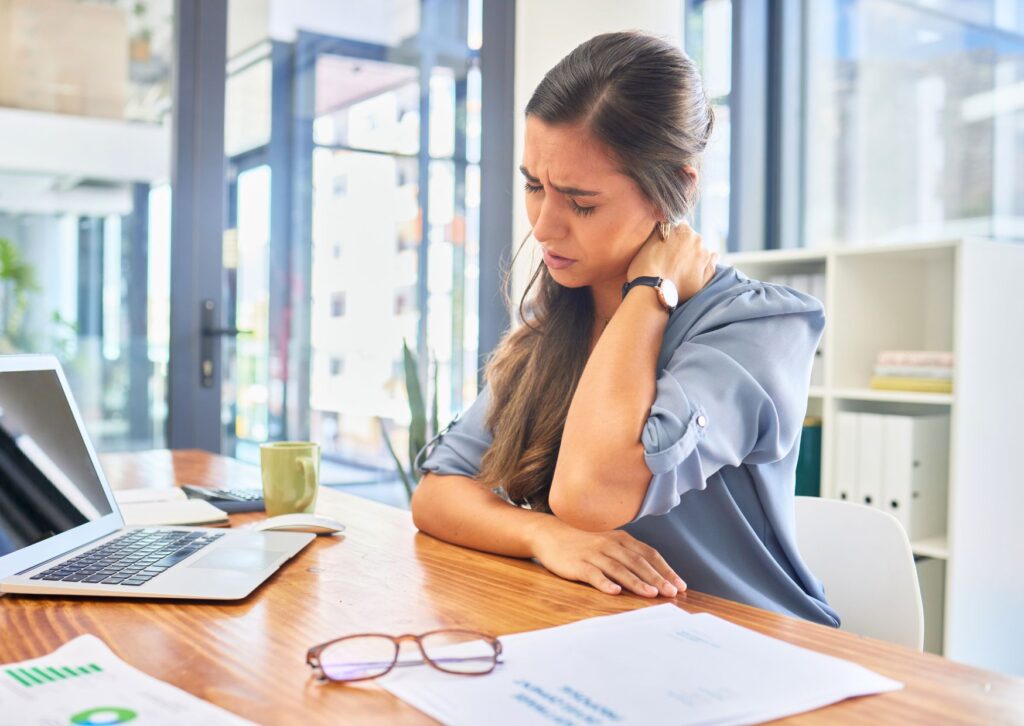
(308, 467)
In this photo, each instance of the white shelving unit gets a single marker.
(962, 296)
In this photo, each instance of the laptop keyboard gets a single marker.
(132, 559)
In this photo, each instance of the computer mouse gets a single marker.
(301, 522)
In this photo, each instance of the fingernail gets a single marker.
(652, 589)
(670, 590)
(680, 584)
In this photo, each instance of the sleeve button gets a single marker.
(702, 421)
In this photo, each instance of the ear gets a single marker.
(691, 172)
(687, 170)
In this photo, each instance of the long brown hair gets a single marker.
(643, 99)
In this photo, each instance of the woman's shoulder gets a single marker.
(732, 296)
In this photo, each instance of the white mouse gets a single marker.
(300, 522)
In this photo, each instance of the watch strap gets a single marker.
(646, 280)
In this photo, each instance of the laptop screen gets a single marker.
(48, 484)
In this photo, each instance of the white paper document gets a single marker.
(654, 665)
(187, 513)
(136, 496)
(83, 682)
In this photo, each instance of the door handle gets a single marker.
(224, 332)
(209, 332)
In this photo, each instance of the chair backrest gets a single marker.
(863, 558)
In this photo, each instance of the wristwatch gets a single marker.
(668, 295)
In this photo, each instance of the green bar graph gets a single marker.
(17, 676)
(31, 676)
(41, 676)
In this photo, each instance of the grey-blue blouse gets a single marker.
(721, 443)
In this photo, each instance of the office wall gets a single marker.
(546, 30)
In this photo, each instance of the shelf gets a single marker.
(816, 392)
(936, 547)
(915, 249)
(870, 394)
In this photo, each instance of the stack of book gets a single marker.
(914, 370)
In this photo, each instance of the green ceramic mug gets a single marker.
(291, 476)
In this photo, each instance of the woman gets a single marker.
(626, 436)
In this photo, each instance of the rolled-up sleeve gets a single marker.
(734, 391)
(459, 448)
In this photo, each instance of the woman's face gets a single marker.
(589, 218)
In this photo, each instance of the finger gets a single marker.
(592, 575)
(709, 269)
(643, 568)
(658, 562)
(624, 576)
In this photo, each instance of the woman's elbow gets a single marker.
(421, 503)
(593, 511)
(600, 493)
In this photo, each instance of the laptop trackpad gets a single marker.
(238, 559)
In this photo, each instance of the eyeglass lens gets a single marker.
(368, 656)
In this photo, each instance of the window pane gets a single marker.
(394, 257)
(247, 108)
(372, 284)
(709, 42)
(442, 112)
(367, 105)
(914, 128)
(1005, 14)
(251, 280)
(85, 204)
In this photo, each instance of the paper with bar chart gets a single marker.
(83, 683)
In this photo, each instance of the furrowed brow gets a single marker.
(569, 191)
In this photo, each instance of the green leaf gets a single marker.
(418, 422)
(398, 463)
(434, 423)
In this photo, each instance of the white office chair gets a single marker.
(863, 558)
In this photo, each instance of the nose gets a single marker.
(549, 224)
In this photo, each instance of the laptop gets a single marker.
(61, 531)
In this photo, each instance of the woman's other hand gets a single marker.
(682, 258)
(609, 561)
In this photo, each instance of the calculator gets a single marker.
(228, 499)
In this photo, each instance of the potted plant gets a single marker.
(420, 429)
(17, 280)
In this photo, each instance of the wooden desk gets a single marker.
(248, 657)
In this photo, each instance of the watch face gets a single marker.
(669, 293)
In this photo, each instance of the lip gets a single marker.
(555, 262)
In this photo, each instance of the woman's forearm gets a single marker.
(461, 511)
(601, 478)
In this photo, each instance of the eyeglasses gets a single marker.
(371, 655)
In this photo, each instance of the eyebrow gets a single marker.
(570, 191)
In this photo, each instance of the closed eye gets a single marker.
(576, 208)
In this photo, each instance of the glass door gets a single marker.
(352, 226)
(245, 390)
(393, 232)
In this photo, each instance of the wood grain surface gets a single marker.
(384, 576)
